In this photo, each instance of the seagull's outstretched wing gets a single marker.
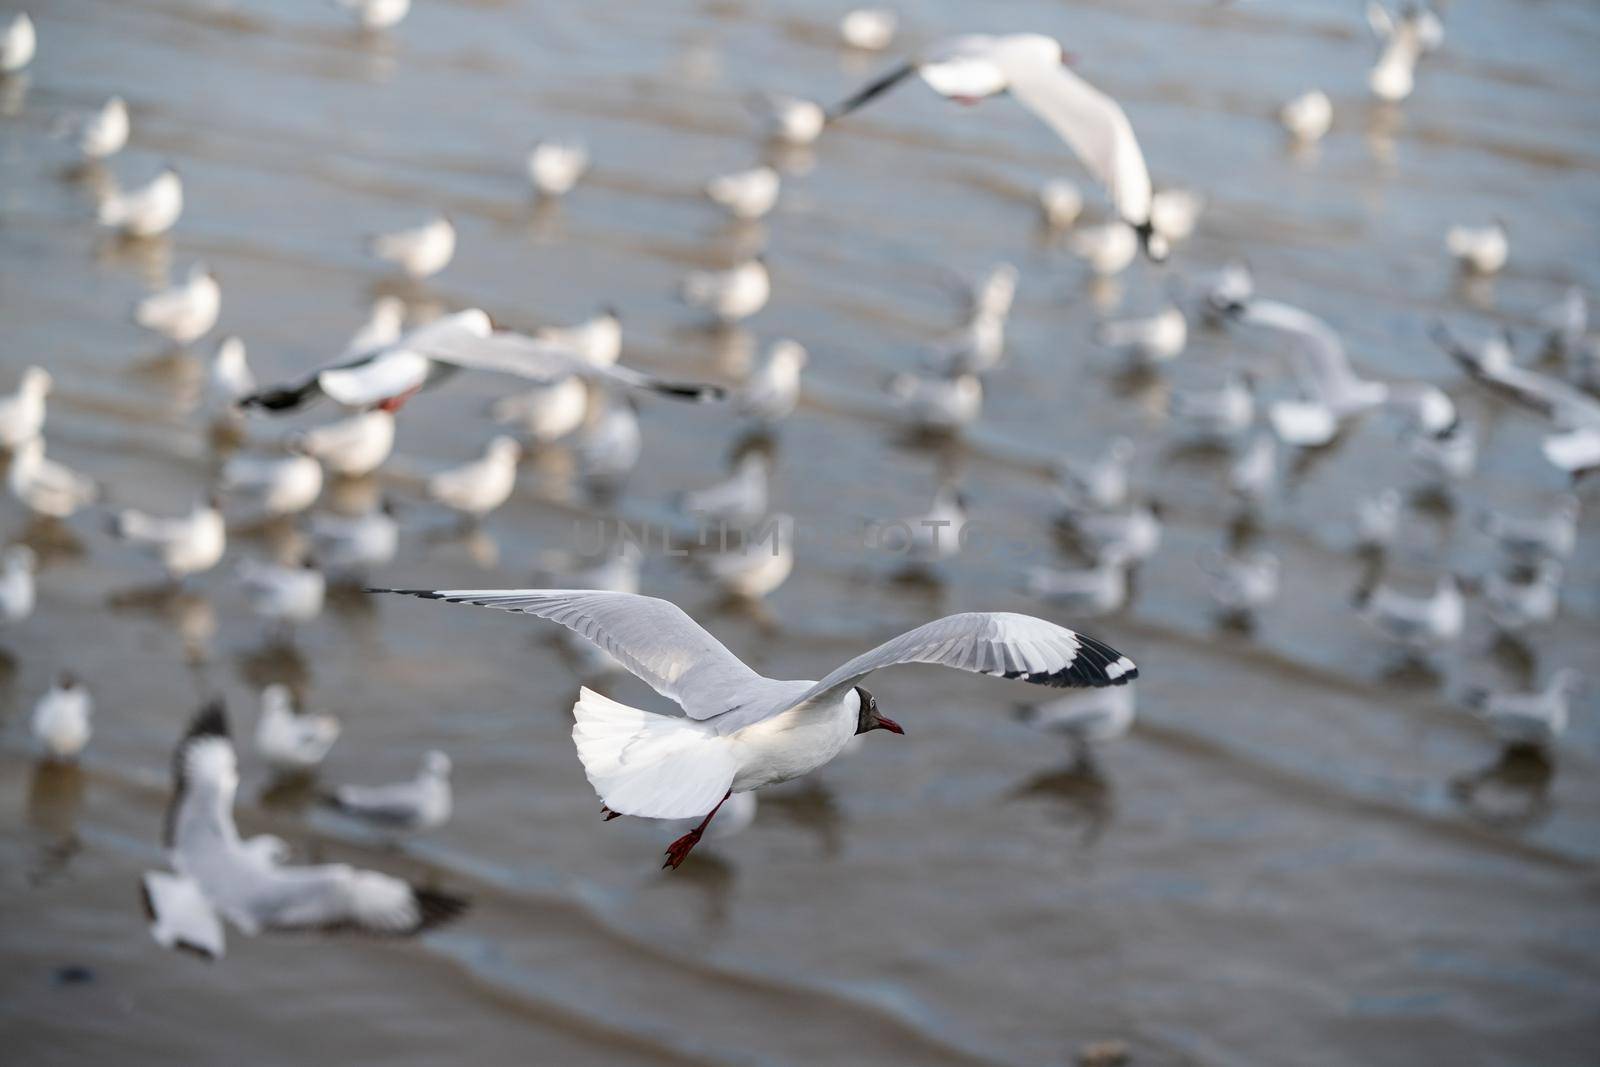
(1095, 127)
(544, 361)
(995, 642)
(180, 915)
(1324, 366)
(652, 638)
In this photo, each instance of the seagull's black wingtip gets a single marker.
(428, 594)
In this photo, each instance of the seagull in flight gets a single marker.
(740, 731)
(387, 376)
(1033, 69)
(216, 875)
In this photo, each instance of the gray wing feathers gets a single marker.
(652, 638)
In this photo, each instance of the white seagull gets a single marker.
(278, 485)
(870, 29)
(1479, 249)
(45, 486)
(1033, 70)
(229, 379)
(1087, 718)
(290, 741)
(772, 391)
(1307, 117)
(1098, 589)
(60, 723)
(18, 43)
(1158, 338)
(1378, 519)
(354, 544)
(421, 251)
(22, 412)
(478, 486)
(1537, 719)
(739, 498)
(1242, 583)
(597, 340)
(609, 443)
(1174, 213)
(1515, 604)
(1403, 40)
(1217, 415)
(386, 319)
(101, 133)
(1108, 248)
(1575, 414)
(420, 803)
(729, 295)
(376, 14)
(546, 413)
(425, 357)
(353, 446)
(1100, 483)
(185, 312)
(554, 167)
(17, 592)
(789, 119)
(740, 730)
(755, 564)
(281, 594)
(1553, 534)
(216, 875)
(187, 544)
(1131, 536)
(745, 194)
(1060, 203)
(148, 211)
(937, 403)
(1416, 621)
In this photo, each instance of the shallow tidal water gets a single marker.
(1305, 852)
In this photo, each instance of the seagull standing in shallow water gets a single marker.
(1033, 70)
(741, 731)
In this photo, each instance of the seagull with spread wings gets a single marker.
(740, 731)
(1033, 69)
(387, 376)
(216, 875)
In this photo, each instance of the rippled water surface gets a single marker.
(1279, 865)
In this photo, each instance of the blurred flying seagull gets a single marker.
(216, 875)
(388, 376)
(1033, 69)
(1576, 414)
(740, 730)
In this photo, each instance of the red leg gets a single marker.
(679, 850)
(395, 403)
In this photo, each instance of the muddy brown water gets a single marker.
(1279, 865)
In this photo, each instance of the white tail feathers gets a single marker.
(656, 766)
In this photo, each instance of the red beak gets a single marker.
(890, 725)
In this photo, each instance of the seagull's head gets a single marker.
(867, 717)
(436, 764)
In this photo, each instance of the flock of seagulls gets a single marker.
(738, 730)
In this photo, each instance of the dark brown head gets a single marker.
(869, 719)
